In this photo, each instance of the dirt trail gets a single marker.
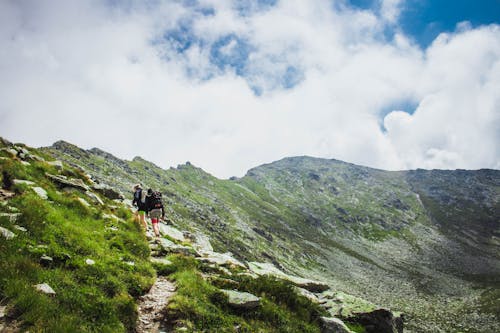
(152, 305)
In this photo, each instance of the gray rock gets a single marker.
(202, 243)
(6, 233)
(94, 197)
(57, 164)
(380, 321)
(23, 182)
(18, 227)
(5, 194)
(172, 232)
(221, 259)
(12, 217)
(63, 182)
(269, 269)
(90, 262)
(162, 261)
(241, 300)
(84, 202)
(40, 192)
(45, 288)
(46, 260)
(168, 246)
(3, 311)
(108, 192)
(333, 325)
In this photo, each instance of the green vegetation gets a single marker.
(89, 298)
(199, 304)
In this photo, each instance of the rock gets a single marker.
(25, 163)
(333, 325)
(17, 227)
(6, 233)
(202, 244)
(307, 294)
(221, 259)
(46, 261)
(23, 182)
(168, 246)
(94, 198)
(130, 263)
(45, 288)
(269, 269)
(5, 194)
(3, 310)
(90, 262)
(84, 202)
(162, 261)
(380, 321)
(110, 217)
(108, 192)
(12, 217)
(57, 164)
(11, 151)
(62, 182)
(40, 192)
(241, 300)
(172, 232)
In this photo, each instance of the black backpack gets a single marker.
(156, 200)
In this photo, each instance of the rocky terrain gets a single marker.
(350, 238)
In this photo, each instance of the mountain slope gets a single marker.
(424, 242)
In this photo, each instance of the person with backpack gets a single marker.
(155, 209)
(139, 201)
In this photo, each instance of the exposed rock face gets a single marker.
(68, 182)
(108, 192)
(380, 321)
(40, 192)
(5, 194)
(333, 325)
(241, 300)
(269, 269)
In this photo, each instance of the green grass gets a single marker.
(200, 305)
(98, 298)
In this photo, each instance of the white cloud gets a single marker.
(103, 76)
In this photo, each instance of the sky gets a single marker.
(229, 85)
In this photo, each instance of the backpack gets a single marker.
(156, 200)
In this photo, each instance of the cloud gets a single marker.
(229, 86)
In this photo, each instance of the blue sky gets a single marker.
(231, 84)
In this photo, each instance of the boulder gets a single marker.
(18, 227)
(45, 288)
(5, 195)
(269, 269)
(221, 259)
(172, 232)
(23, 182)
(95, 198)
(162, 261)
(380, 321)
(46, 261)
(63, 182)
(6, 233)
(40, 192)
(84, 202)
(333, 325)
(241, 300)
(168, 246)
(108, 192)
(202, 243)
(57, 164)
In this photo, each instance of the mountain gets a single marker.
(341, 240)
(425, 242)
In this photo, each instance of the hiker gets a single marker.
(155, 209)
(140, 202)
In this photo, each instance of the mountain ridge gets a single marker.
(335, 220)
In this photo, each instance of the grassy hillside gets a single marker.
(390, 237)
